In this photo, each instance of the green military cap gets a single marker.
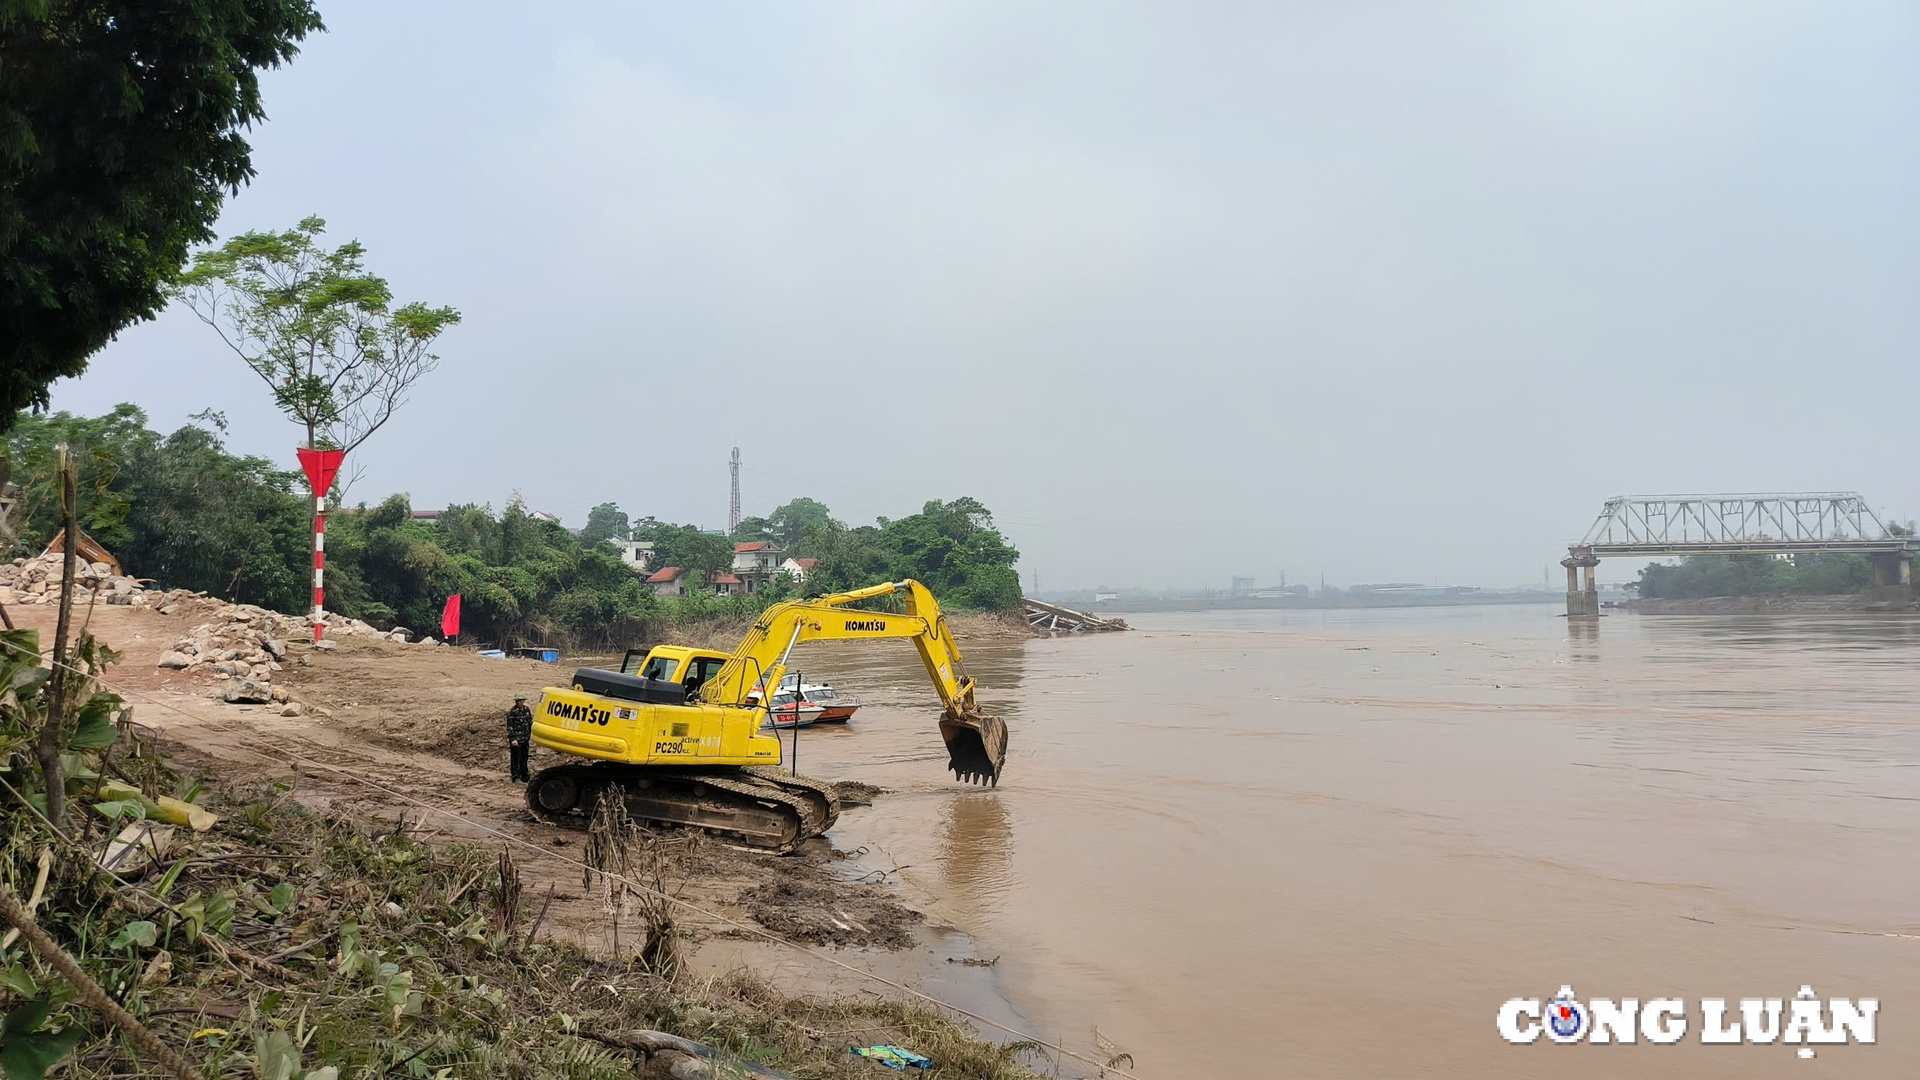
(519, 697)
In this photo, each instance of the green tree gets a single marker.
(120, 127)
(320, 330)
(1817, 574)
(752, 529)
(954, 549)
(179, 509)
(101, 446)
(690, 549)
(604, 522)
(204, 519)
(789, 523)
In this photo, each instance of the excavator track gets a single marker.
(806, 785)
(758, 807)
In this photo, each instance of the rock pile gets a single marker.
(37, 581)
(243, 643)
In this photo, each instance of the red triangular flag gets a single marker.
(450, 619)
(321, 465)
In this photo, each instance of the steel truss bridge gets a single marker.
(1796, 523)
(1772, 524)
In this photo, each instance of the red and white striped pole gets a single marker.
(321, 467)
(319, 562)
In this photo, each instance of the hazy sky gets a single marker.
(1381, 291)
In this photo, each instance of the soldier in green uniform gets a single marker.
(519, 731)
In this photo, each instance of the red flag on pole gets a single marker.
(321, 465)
(450, 619)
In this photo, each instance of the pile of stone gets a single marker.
(37, 581)
(243, 644)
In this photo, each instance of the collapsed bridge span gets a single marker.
(1045, 616)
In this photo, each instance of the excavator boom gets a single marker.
(976, 743)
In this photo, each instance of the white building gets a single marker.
(635, 553)
(755, 563)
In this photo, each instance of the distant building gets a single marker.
(726, 584)
(798, 569)
(635, 553)
(542, 515)
(1412, 589)
(1242, 584)
(668, 581)
(756, 563)
(427, 516)
(1103, 597)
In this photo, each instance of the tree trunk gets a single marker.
(49, 751)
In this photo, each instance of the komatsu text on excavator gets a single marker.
(678, 730)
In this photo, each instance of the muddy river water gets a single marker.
(1331, 844)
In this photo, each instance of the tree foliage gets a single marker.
(605, 522)
(686, 547)
(120, 127)
(951, 547)
(178, 509)
(521, 580)
(790, 523)
(183, 511)
(320, 330)
(1817, 574)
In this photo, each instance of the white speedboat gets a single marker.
(819, 703)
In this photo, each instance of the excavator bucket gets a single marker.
(976, 747)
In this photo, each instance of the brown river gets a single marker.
(1332, 844)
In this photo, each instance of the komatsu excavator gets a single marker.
(679, 730)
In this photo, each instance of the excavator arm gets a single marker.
(976, 743)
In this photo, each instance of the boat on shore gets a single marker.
(818, 703)
(785, 712)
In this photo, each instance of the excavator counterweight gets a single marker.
(679, 733)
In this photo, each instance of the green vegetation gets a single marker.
(176, 508)
(287, 944)
(318, 329)
(120, 130)
(183, 511)
(1756, 575)
(951, 547)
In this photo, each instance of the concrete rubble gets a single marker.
(241, 645)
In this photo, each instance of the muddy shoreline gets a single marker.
(423, 726)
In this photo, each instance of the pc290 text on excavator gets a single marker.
(678, 730)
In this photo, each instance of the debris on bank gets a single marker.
(287, 940)
(1056, 619)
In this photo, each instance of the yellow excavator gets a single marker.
(678, 730)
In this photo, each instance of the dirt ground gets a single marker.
(387, 729)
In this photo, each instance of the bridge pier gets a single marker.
(1892, 578)
(1581, 602)
(1892, 569)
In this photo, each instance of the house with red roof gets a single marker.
(797, 569)
(756, 563)
(668, 581)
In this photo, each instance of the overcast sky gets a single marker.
(1179, 290)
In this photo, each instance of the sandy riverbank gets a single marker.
(386, 730)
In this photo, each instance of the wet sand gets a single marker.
(1332, 843)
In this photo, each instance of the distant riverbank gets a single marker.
(1766, 605)
(1304, 603)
